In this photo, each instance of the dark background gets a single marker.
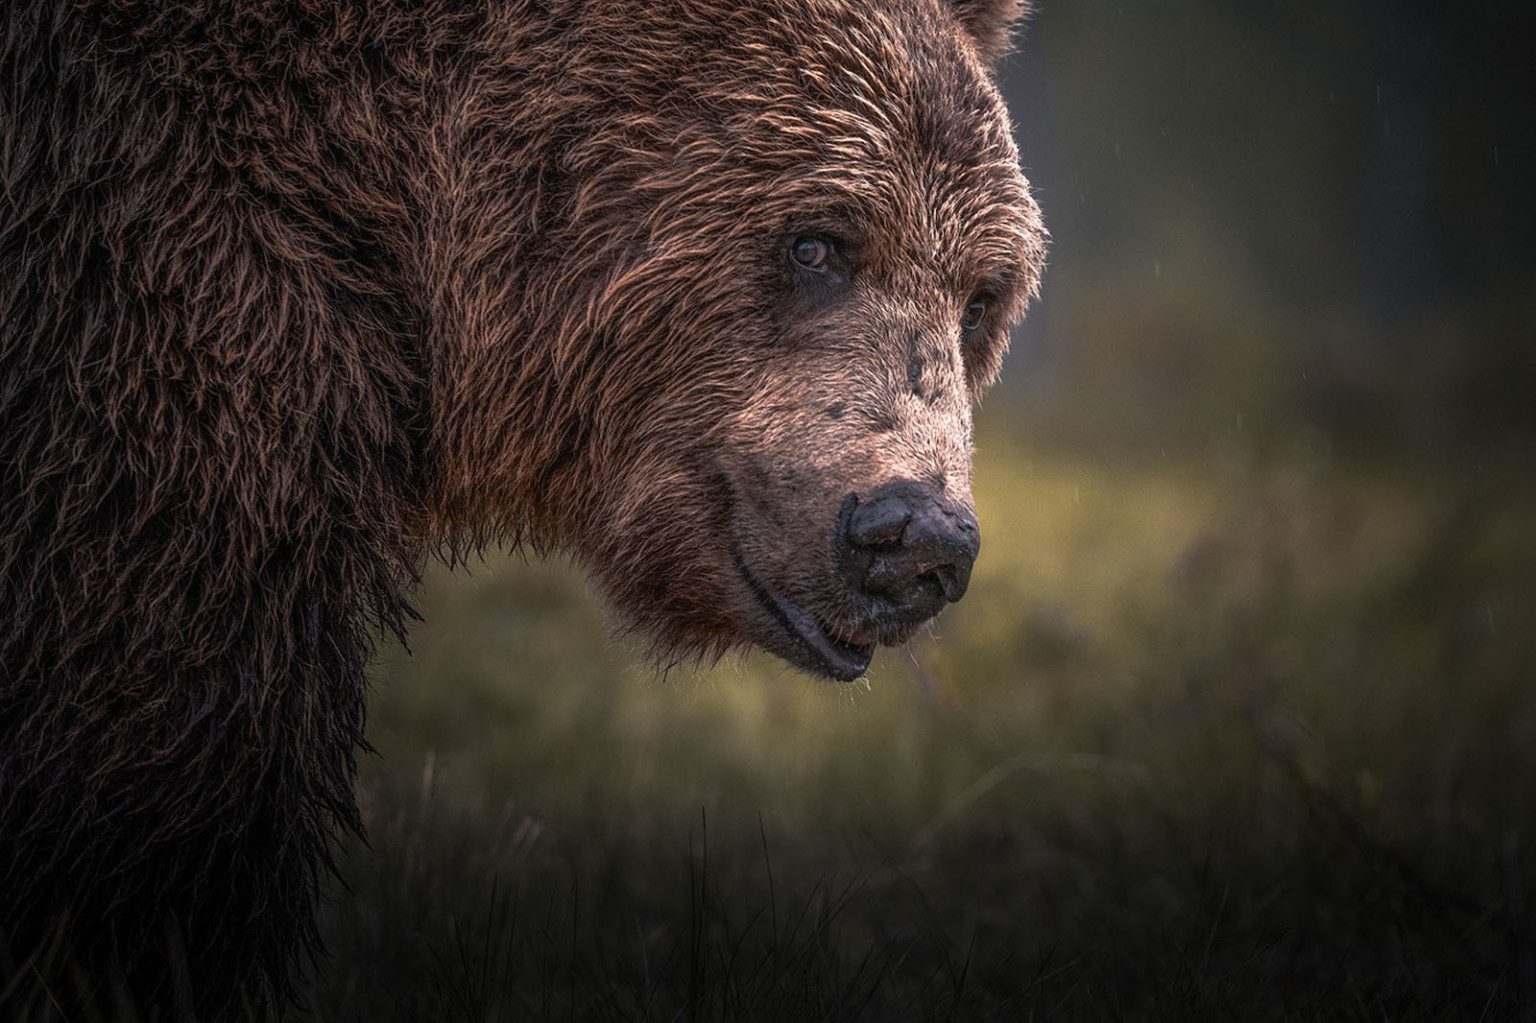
(1317, 215)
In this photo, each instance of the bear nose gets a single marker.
(910, 547)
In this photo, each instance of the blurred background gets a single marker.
(1313, 215)
(1238, 720)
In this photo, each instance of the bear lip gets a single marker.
(815, 648)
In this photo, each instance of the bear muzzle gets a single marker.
(905, 550)
(899, 553)
(902, 552)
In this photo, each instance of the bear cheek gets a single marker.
(663, 555)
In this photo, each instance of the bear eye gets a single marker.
(975, 310)
(811, 253)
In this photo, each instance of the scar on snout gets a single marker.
(836, 410)
(884, 421)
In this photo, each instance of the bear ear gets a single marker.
(990, 23)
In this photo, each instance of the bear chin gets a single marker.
(800, 638)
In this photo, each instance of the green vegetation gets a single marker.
(1205, 741)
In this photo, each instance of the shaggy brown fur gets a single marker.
(292, 291)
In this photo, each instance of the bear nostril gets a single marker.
(942, 579)
(948, 580)
(879, 523)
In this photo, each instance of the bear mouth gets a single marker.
(811, 645)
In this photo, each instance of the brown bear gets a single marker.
(295, 292)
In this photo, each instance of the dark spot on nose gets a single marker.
(836, 410)
(905, 550)
(915, 367)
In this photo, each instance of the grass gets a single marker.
(1219, 741)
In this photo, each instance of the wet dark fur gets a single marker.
(290, 293)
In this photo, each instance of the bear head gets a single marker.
(767, 268)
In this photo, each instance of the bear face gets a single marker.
(800, 255)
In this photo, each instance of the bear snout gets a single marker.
(905, 550)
